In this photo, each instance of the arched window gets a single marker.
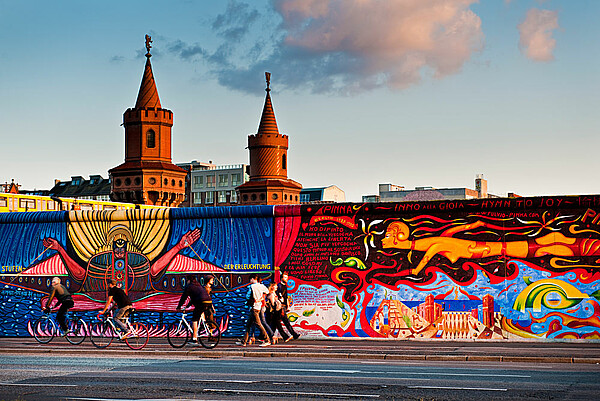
(283, 162)
(150, 139)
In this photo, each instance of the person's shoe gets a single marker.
(193, 342)
(265, 344)
(240, 343)
(290, 338)
(126, 335)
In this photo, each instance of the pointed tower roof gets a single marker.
(268, 124)
(148, 95)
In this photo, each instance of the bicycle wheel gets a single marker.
(139, 336)
(178, 335)
(78, 330)
(101, 334)
(210, 336)
(44, 330)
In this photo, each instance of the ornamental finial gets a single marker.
(268, 77)
(148, 46)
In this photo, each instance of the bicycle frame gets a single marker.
(136, 337)
(46, 327)
(179, 333)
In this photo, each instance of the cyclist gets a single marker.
(201, 300)
(65, 301)
(119, 296)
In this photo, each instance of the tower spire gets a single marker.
(268, 124)
(148, 94)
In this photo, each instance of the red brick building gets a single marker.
(148, 176)
(269, 183)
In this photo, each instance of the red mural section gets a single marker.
(485, 268)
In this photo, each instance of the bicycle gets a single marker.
(46, 328)
(102, 334)
(179, 333)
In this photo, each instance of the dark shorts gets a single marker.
(199, 309)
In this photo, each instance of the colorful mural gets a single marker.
(148, 252)
(466, 269)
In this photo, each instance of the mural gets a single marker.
(149, 253)
(468, 269)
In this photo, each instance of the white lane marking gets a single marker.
(38, 385)
(462, 374)
(345, 395)
(404, 373)
(225, 381)
(313, 370)
(460, 388)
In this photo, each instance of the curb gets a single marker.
(201, 353)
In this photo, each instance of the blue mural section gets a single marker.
(159, 250)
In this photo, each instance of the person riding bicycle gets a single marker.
(65, 301)
(201, 300)
(119, 296)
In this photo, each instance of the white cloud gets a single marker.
(383, 42)
(536, 40)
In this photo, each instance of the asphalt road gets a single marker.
(57, 376)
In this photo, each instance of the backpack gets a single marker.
(250, 298)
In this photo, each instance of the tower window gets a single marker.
(283, 162)
(150, 139)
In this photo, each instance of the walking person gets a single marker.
(64, 299)
(282, 294)
(124, 304)
(273, 314)
(257, 296)
(200, 299)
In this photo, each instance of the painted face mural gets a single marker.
(148, 252)
(498, 268)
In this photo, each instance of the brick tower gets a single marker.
(148, 176)
(269, 183)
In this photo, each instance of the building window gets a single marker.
(223, 180)
(222, 196)
(210, 181)
(198, 182)
(235, 179)
(197, 198)
(210, 198)
(234, 197)
(150, 139)
(283, 162)
(304, 198)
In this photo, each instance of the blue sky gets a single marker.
(414, 93)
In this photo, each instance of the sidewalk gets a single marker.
(498, 351)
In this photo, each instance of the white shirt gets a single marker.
(258, 293)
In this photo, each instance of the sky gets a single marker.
(407, 92)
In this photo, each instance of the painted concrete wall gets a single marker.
(149, 253)
(470, 269)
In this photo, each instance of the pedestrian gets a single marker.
(255, 301)
(282, 293)
(124, 305)
(273, 314)
(209, 281)
(199, 298)
(64, 299)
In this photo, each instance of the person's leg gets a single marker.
(61, 316)
(120, 317)
(279, 326)
(267, 328)
(288, 325)
(195, 320)
(257, 318)
(249, 324)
